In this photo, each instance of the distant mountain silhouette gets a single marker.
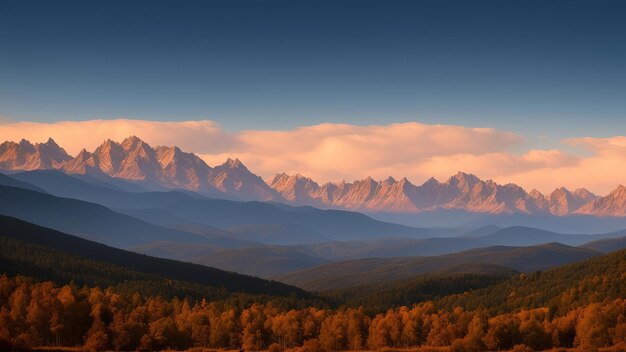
(227, 223)
(321, 224)
(13, 182)
(70, 186)
(91, 220)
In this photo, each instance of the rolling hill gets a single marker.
(260, 261)
(607, 245)
(561, 289)
(12, 182)
(381, 296)
(33, 250)
(257, 260)
(93, 221)
(323, 224)
(363, 271)
(528, 236)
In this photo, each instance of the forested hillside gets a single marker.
(359, 272)
(379, 297)
(29, 249)
(43, 314)
(561, 289)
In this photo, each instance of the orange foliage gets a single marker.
(41, 314)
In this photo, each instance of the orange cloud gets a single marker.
(340, 151)
(76, 135)
(329, 152)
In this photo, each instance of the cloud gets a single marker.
(76, 135)
(331, 152)
(340, 151)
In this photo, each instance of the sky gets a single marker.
(547, 78)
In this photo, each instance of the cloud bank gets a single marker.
(331, 152)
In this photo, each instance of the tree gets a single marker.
(563, 330)
(333, 332)
(503, 333)
(592, 328)
(378, 334)
(439, 334)
(253, 336)
(473, 341)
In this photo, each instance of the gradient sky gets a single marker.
(331, 89)
(554, 69)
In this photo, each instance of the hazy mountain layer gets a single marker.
(94, 221)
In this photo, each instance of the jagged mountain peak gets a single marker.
(613, 204)
(26, 144)
(302, 177)
(84, 163)
(460, 175)
(431, 182)
(173, 154)
(281, 177)
(135, 143)
(284, 177)
(620, 189)
(619, 193)
(583, 193)
(561, 191)
(27, 156)
(51, 142)
(234, 164)
(108, 144)
(83, 154)
(463, 179)
(390, 179)
(366, 182)
(295, 188)
(132, 139)
(232, 177)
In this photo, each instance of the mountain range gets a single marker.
(166, 168)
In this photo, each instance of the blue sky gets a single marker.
(539, 68)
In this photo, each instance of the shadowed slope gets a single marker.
(29, 233)
(364, 271)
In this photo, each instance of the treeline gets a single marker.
(42, 314)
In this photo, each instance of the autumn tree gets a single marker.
(592, 330)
